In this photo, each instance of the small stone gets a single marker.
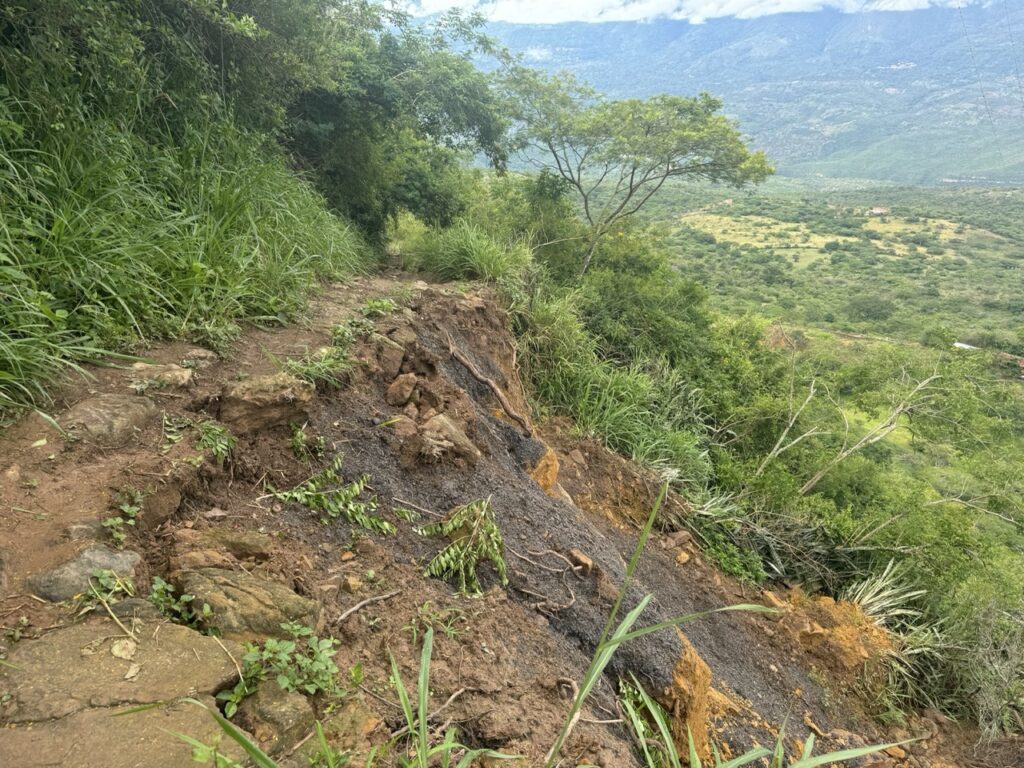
(811, 634)
(347, 555)
(401, 389)
(683, 557)
(680, 538)
(109, 419)
(352, 584)
(276, 717)
(896, 752)
(264, 402)
(581, 561)
(577, 457)
(215, 514)
(73, 577)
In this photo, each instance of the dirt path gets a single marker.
(430, 436)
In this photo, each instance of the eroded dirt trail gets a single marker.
(429, 431)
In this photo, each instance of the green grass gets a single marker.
(107, 241)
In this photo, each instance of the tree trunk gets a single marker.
(587, 258)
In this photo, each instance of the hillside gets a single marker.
(912, 97)
(232, 528)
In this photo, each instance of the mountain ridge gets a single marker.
(918, 96)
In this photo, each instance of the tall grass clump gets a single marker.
(465, 251)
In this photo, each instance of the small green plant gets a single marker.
(378, 307)
(408, 515)
(418, 727)
(303, 447)
(323, 367)
(305, 663)
(327, 494)
(173, 430)
(129, 505)
(327, 756)
(216, 439)
(181, 609)
(474, 536)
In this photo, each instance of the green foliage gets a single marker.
(304, 664)
(180, 609)
(216, 439)
(616, 155)
(327, 494)
(375, 307)
(303, 447)
(474, 536)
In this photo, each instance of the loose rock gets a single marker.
(442, 436)
(167, 375)
(109, 419)
(401, 389)
(73, 577)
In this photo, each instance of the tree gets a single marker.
(616, 155)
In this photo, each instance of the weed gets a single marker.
(180, 609)
(408, 515)
(304, 663)
(377, 307)
(326, 494)
(105, 588)
(173, 430)
(450, 621)
(305, 449)
(129, 505)
(323, 367)
(216, 439)
(474, 537)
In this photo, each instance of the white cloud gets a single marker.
(695, 11)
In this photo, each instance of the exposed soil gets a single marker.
(506, 660)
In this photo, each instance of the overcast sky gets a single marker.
(696, 11)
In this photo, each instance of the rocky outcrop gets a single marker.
(689, 699)
(276, 717)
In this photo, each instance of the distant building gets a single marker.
(878, 212)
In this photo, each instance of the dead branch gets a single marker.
(475, 373)
(360, 605)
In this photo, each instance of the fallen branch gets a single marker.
(366, 602)
(475, 373)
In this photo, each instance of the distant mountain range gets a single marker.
(919, 96)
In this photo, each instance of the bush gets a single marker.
(465, 251)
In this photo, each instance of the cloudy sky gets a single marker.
(696, 11)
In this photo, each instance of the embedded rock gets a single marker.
(248, 607)
(276, 717)
(389, 355)
(75, 669)
(264, 402)
(166, 375)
